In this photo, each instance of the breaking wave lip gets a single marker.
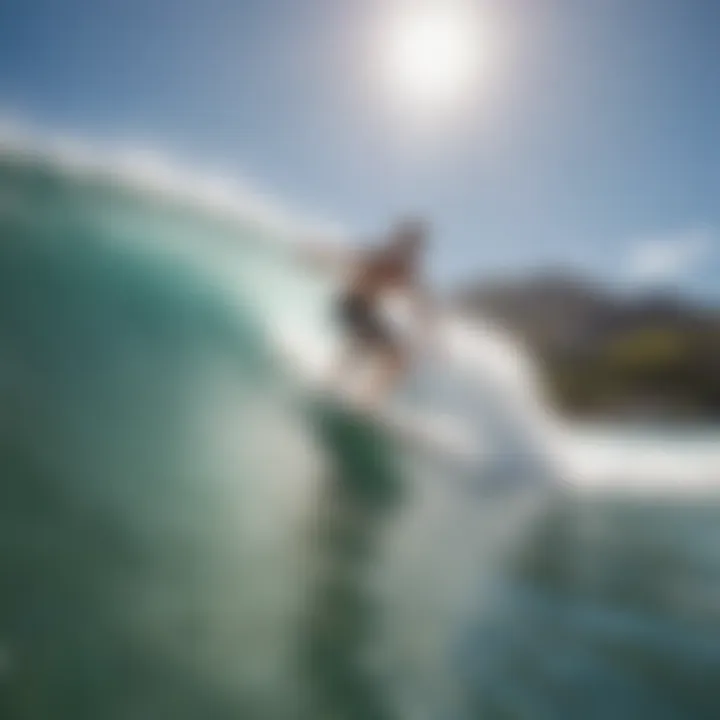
(137, 167)
(590, 460)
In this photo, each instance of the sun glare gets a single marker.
(432, 54)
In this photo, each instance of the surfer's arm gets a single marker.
(327, 257)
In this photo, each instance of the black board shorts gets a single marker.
(360, 320)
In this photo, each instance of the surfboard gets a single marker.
(442, 434)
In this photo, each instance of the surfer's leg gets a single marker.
(392, 363)
(345, 363)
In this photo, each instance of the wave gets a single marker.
(242, 239)
(188, 529)
(149, 409)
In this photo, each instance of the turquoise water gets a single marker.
(185, 534)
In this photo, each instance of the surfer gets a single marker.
(372, 274)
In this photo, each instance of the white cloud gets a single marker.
(669, 257)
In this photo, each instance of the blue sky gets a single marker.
(593, 140)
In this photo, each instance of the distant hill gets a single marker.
(603, 353)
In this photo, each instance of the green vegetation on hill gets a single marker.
(651, 357)
(646, 370)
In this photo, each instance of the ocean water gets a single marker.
(185, 532)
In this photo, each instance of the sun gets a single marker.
(431, 54)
